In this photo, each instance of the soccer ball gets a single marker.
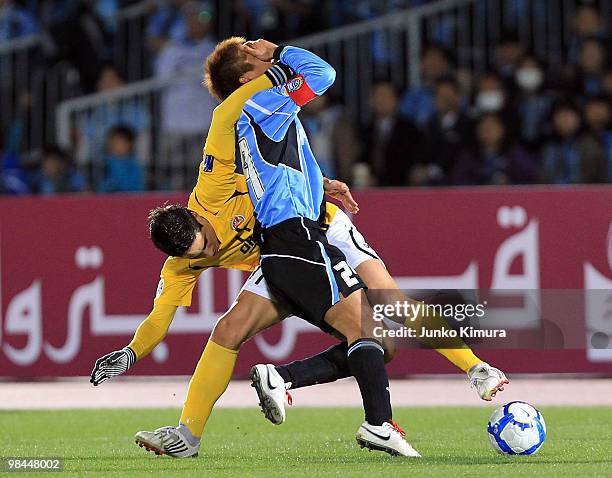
(517, 428)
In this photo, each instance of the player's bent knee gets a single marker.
(229, 333)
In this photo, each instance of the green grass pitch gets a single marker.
(314, 442)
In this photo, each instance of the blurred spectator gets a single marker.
(57, 173)
(495, 159)
(417, 104)
(107, 10)
(186, 105)
(15, 22)
(166, 23)
(278, 20)
(12, 180)
(531, 103)
(598, 121)
(389, 140)
(490, 95)
(75, 34)
(587, 24)
(508, 55)
(332, 137)
(92, 128)
(606, 84)
(570, 157)
(123, 170)
(447, 132)
(592, 66)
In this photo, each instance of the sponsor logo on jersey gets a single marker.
(237, 221)
(295, 84)
(207, 163)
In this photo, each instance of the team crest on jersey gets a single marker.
(295, 84)
(207, 163)
(237, 221)
(160, 288)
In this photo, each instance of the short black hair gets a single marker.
(448, 80)
(55, 151)
(172, 229)
(122, 130)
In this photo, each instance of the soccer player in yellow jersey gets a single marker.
(215, 230)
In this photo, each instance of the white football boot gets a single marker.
(487, 380)
(169, 441)
(388, 437)
(270, 388)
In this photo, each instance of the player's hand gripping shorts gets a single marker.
(306, 271)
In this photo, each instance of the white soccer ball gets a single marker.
(517, 428)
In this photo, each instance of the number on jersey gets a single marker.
(248, 167)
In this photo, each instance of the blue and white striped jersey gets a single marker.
(283, 176)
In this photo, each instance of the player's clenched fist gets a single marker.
(112, 364)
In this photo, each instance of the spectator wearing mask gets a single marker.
(57, 173)
(389, 139)
(570, 157)
(186, 106)
(448, 130)
(491, 96)
(15, 22)
(417, 103)
(123, 170)
(495, 159)
(532, 105)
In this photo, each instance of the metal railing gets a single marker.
(389, 48)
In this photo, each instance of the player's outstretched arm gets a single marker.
(148, 335)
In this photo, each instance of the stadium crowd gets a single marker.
(520, 122)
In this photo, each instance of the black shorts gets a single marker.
(306, 274)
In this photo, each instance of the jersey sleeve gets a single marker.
(177, 282)
(217, 176)
(313, 74)
(220, 142)
(152, 330)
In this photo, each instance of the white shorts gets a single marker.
(343, 234)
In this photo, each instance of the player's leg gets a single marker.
(249, 314)
(325, 367)
(352, 316)
(332, 365)
(382, 289)
(315, 282)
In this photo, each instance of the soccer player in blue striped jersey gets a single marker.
(308, 276)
